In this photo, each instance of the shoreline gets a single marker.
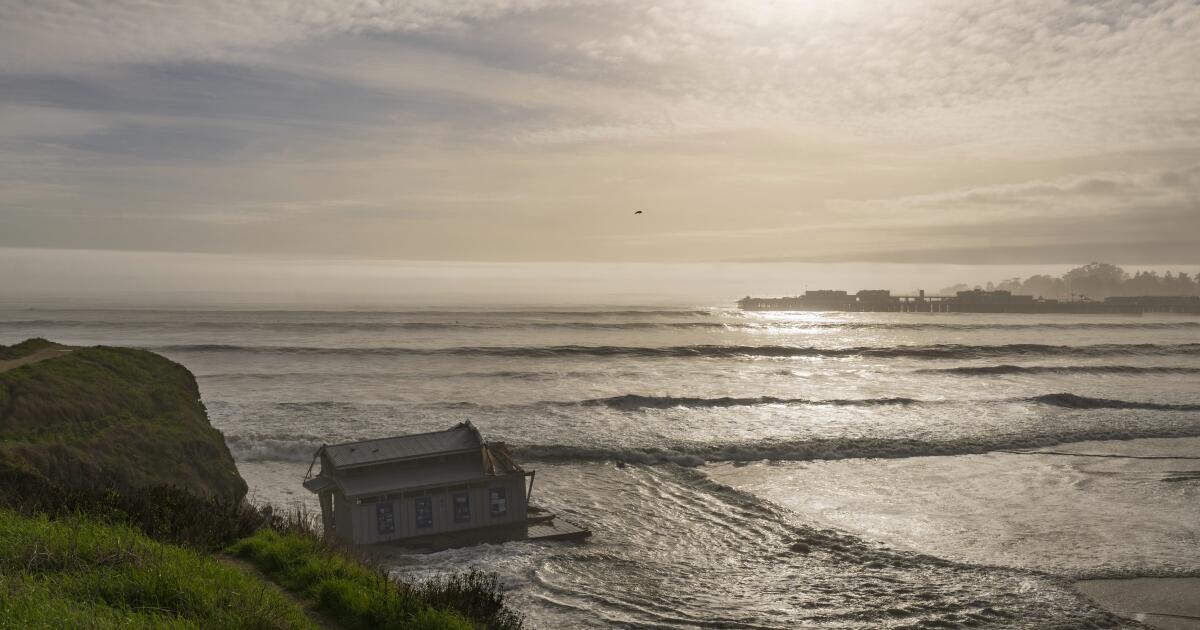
(1168, 603)
(1157, 600)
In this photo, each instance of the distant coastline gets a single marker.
(974, 301)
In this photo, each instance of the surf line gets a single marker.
(1155, 614)
(1105, 455)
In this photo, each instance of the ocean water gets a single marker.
(777, 470)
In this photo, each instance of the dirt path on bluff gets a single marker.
(40, 355)
(318, 619)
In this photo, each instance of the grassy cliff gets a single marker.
(121, 416)
(121, 507)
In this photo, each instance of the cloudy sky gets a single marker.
(918, 131)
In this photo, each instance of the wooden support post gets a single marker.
(326, 499)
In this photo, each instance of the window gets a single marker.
(462, 507)
(424, 511)
(385, 519)
(498, 502)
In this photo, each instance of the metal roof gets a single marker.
(416, 472)
(463, 437)
(383, 480)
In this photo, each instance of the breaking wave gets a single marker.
(271, 447)
(1060, 369)
(973, 326)
(935, 351)
(257, 448)
(635, 401)
(254, 449)
(639, 402)
(833, 448)
(351, 326)
(524, 375)
(1072, 401)
(1021, 326)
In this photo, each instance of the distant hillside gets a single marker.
(109, 415)
(1095, 280)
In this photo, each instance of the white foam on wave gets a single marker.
(292, 447)
(842, 448)
(252, 448)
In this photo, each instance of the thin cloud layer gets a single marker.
(1149, 216)
(965, 131)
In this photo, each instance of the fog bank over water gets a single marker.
(65, 278)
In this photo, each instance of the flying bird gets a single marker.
(638, 212)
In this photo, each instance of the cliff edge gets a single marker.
(103, 415)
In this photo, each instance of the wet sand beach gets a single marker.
(1167, 603)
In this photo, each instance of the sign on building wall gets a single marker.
(424, 511)
(462, 508)
(385, 518)
(498, 501)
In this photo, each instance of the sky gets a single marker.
(918, 132)
(55, 278)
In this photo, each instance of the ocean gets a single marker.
(742, 470)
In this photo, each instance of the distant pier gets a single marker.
(977, 301)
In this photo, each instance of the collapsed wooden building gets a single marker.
(427, 486)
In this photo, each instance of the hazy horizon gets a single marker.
(66, 278)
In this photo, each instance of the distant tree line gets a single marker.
(1094, 281)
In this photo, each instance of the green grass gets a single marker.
(77, 572)
(358, 595)
(286, 546)
(165, 513)
(129, 416)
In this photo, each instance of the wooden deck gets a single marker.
(557, 529)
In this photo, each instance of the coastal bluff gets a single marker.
(121, 507)
(109, 416)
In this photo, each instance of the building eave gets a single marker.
(319, 484)
(428, 486)
(410, 458)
